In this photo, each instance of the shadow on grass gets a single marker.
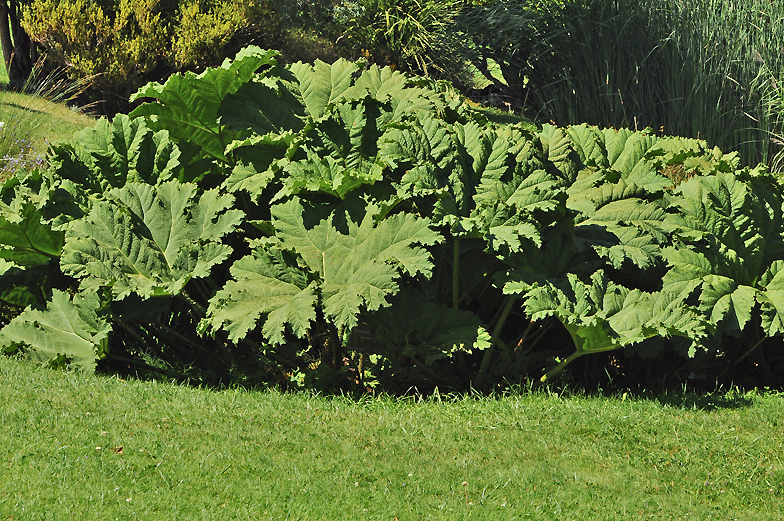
(705, 402)
(22, 107)
(684, 398)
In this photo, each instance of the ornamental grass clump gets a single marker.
(408, 34)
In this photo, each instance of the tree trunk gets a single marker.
(19, 55)
(25, 54)
(5, 35)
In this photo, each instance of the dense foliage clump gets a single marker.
(334, 225)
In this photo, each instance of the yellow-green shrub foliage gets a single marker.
(205, 26)
(88, 40)
(141, 36)
(123, 40)
(76, 31)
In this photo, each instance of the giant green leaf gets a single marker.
(560, 252)
(257, 161)
(30, 244)
(426, 141)
(426, 152)
(265, 283)
(718, 205)
(263, 107)
(341, 152)
(603, 316)
(68, 330)
(188, 104)
(639, 315)
(25, 239)
(322, 84)
(358, 269)
(730, 231)
(149, 240)
(325, 174)
(109, 155)
(767, 213)
(559, 152)
(689, 268)
(588, 143)
(636, 225)
(394, 87)
(625, 148)
(772, 299)
(724, 300)
(504, 226)
(514, 199)
(679, 158)
(350, 272)
(579, 307)
(126, 151)
(627, 154)
(488, 159)
(27, 287)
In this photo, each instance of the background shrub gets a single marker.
(119, 42)
(125, 43)
(205, 27)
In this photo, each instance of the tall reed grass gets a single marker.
(699, 68)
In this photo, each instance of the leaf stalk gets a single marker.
(488, 355)
(560, 367)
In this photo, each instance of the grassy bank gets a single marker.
(91, 447)
(30, 123)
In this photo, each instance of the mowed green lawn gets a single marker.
(94, 447)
